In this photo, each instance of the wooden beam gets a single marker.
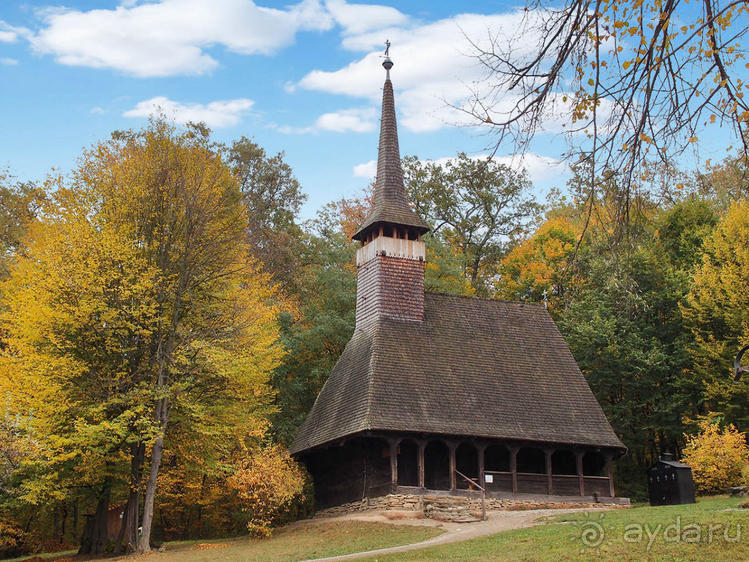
(420, 462)
(580, 475)
(481, 449)
(610, 473)
(549, 480)
(451, 447)
(394, 463)
(514, 468)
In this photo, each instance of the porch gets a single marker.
(373, 465)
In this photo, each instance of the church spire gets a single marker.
(390, 206)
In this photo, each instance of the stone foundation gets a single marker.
(452, 508)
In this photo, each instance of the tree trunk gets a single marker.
(75, 517)
(63, 523)
(94, 539)
(128, 535)
(144, 542)
(56, 522)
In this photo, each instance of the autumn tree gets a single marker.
(20, 203)
(273, 198)
(539, 268)
(476, 206)
(717, 311)
(627, 80)
(617, 305)
(137, 311)
(724, 182)
(267, 484)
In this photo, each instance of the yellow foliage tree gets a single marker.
(717, 311)
(268, 483)
(137, 317)
(537, 269)
(716, 456)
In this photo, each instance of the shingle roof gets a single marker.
(473, 367)
(390, 203)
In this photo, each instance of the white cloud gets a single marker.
(360, 18)
(357, 120)
(289, 130)
(7, 61)
(540, 168)
(434, 67)
(97, 110)
(10, 33)
(215, 114)
(366, 170)
(171, 36)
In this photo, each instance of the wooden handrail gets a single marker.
(480, 487)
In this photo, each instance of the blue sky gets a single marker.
(300, 77)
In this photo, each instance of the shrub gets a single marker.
(717, 457)
(13, 541)
(268, 483)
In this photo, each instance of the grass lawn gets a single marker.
(679, 532)
(298, 542)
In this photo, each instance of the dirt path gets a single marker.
(454, 532)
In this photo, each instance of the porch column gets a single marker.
(420, 462)
(514, 468)
(481, 448)
(580, 475)
(394, 463)
(549, 480)
(452, 446)
(610, 473)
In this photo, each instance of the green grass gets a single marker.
(299, 541)
(43, 555)
(562, 537)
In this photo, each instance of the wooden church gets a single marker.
(436, 392)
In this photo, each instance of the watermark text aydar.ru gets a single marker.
(676, 532)
(593, 534)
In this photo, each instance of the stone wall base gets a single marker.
(452, 508)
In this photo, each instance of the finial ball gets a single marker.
(387, 63)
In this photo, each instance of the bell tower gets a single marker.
(390, 262)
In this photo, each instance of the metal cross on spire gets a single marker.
(387, 63)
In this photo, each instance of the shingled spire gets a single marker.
(390, 281)
(391, 206)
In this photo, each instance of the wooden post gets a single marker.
(394, 463)
(451, 446)
(610, 474)
(481, 448)
(549, 480)
(580, 474)
(514, 468)
(420, 462)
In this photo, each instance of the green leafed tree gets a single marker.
(476, 206)
(273, 198)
